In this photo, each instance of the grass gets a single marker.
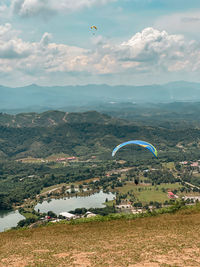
(169, 165)
(46, 189)
(109, 203)
(32, 160)
(146, 193)
(28, 215)
(165, 240)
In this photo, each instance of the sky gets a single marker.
(137, 42)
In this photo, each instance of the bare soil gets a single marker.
(166, 240)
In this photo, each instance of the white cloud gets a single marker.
(187, 22)
(152, 47)
(149, 51)
(28, 8)
(4, 9)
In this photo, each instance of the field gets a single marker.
(146, 193)
(165, 240)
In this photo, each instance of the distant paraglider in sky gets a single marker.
(93, 29)
(136, 142)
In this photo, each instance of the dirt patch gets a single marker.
(61, 255)
(147, 264)
(81, 259)
(15, 261)
(41, 250)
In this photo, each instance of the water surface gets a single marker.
(9, 219)
(66, 204)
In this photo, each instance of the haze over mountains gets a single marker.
(40, 98)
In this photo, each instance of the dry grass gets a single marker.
(166, 240)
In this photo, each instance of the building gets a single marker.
(71, 158)
(136, 211)
(65, 159)
(194, 164)
(183, 162)
(172, 195)
(61, 159)
(68, 215)
(89, 214)
(194, 198)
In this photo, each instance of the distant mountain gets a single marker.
(41, 98)
(54, 118)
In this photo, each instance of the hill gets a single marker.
(41, 98)
(53, 118)
(165, 240)
(82, 134)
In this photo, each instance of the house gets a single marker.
(172, 195)
(194, 198)
(183, 162)
(194, 164)
(89, 214)
(71, 158)
(56, 220)
(61, 159)
(68, 215)
(136, 211)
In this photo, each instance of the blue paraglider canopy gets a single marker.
(147, 145)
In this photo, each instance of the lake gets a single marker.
(9, 219)
(66, 204)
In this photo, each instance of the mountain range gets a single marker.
(42, 98)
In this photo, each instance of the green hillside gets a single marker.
(81, 134)
(90, 137)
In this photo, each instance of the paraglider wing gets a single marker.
(136, 142)
(93, 28)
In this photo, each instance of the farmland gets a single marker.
(147, 193)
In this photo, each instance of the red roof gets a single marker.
(71, 158)
(194, 164)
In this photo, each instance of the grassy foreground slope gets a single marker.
(165, 240)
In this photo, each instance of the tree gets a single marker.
(51, 214)
(63, 189)
(136, 180)
(80, 187)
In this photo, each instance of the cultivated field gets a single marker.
(147, 193)
(165, 240)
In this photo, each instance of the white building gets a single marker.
(89, 214)
(68, 215)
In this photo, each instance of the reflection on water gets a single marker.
(66, 204)
(9, 219)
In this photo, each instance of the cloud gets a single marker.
(185, 23)
(28, 8)
(10, 45)
(191, 19)
(149, 52)
(152, 47)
